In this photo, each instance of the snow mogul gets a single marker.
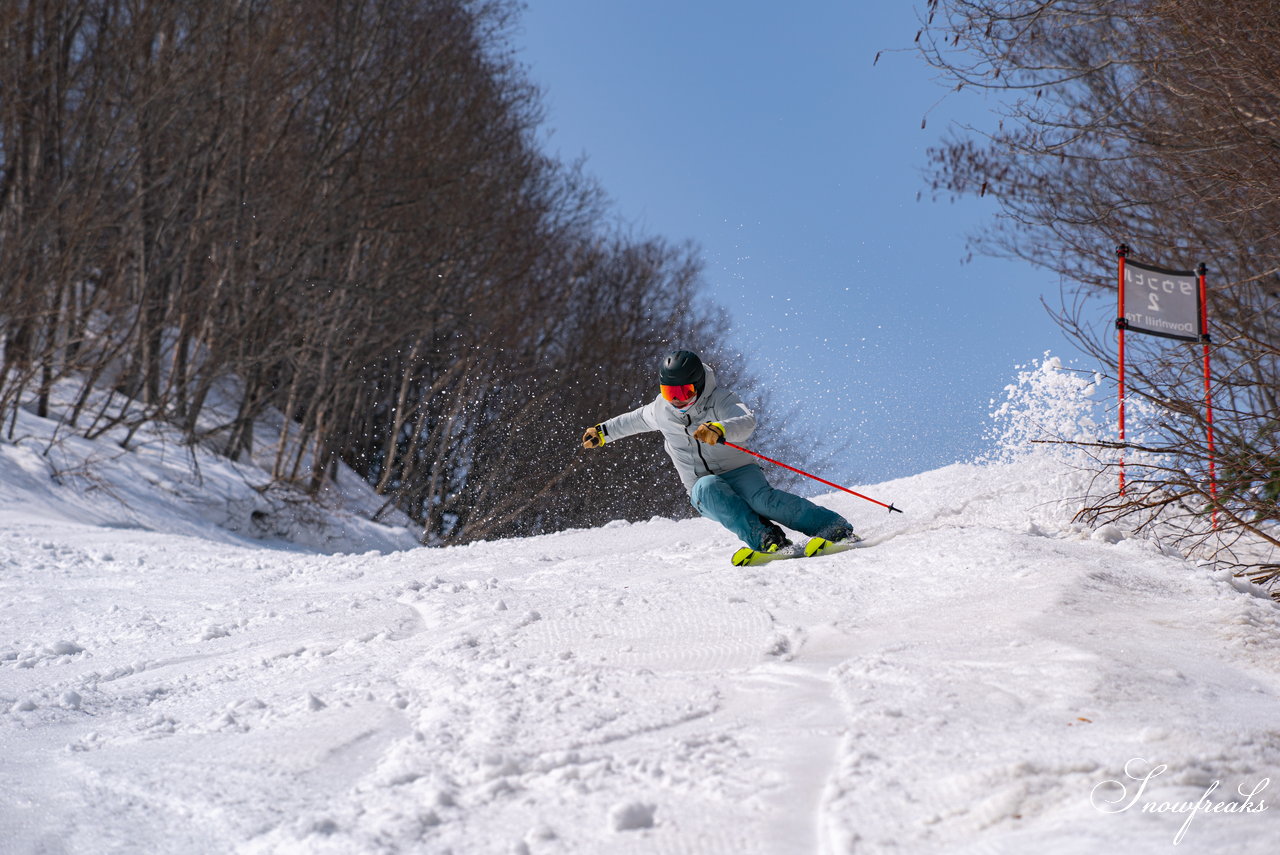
(696, 417)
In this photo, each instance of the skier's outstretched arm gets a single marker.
(638, 420)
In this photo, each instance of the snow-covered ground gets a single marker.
(986, 677)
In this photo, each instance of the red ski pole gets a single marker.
(891, 508)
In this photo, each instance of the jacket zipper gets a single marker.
(688, 422)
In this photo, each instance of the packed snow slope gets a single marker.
(985, 677)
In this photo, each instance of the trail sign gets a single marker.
(1161, 302)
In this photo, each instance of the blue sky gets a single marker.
(763, 132)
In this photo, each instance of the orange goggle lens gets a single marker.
(679, 395)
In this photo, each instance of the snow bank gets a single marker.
(150, 479)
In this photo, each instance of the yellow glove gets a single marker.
(710, 433)
(593, 438)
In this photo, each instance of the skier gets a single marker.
(696, 417)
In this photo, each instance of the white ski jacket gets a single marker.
(693, 459)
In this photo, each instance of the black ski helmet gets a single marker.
(681, 367)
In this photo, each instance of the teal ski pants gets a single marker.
(742, 501)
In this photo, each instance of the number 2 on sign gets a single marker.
(1153, 302)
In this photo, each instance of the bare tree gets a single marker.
(339, 207)
(1157, 124)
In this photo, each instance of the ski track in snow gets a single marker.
(961, 686)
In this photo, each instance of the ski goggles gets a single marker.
(679, 396)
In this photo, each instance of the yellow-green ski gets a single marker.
(815, 546)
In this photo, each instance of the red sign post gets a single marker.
(1122, 251)
(1208, 393)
